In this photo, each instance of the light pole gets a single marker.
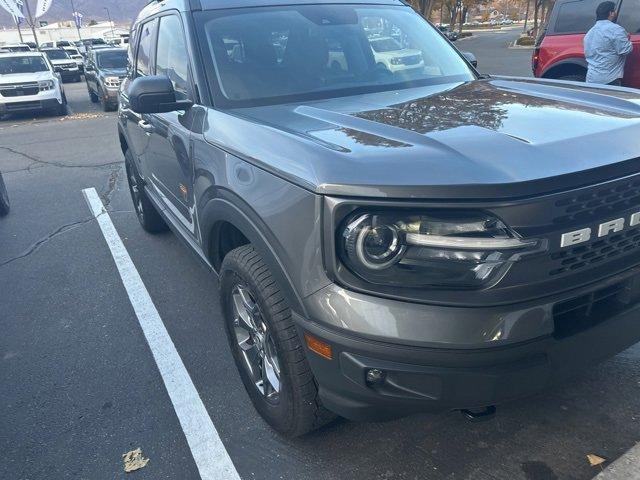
(76, 20)
(113, 35)
(31, 24)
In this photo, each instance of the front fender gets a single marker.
(225, 208)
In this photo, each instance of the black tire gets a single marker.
(106, 106)
(146, 212)
(5, 206)
(296, 409)
(574, 78)
(62, 109)
(92, 96)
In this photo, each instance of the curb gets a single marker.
(627, 467)
(520, 47)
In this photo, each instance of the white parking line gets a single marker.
(206, 447)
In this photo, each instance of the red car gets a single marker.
(559, 52)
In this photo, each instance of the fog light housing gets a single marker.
(374, 376)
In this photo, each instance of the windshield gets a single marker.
(72, 51)
(32, 64)
(112, 59)
(295, 53)
(384, 45)
(19, 48)
(57, 54)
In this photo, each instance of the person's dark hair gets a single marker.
(604, 9)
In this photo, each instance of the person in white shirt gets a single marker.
(606, 47)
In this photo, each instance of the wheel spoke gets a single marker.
(240, 310)
(271, 365)
(270, 372)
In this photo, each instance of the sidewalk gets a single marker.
(627, 467)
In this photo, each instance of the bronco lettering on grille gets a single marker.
(612, 226)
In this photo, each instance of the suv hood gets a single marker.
(26, 77)
(62, 61)
(500, 137)
(113, 72)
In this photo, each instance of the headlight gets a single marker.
(396, 61)
(454, 250)
(45, 85)
(113, 82)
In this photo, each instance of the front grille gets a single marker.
(593, 253)
(19, 89)
(19, 92)
(599, 203)
(411, 60)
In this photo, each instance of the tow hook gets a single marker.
(480, 415)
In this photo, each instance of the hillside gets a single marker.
(122, 11)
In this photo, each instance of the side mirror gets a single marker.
(89, 67)
(471, 58)
(155, 94)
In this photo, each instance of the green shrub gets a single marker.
(525, 41)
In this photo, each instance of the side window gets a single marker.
(576, 17)
(131, 53)
(629, 16)
(172, 59)
(143, 66)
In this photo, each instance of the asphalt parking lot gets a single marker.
(80, 386)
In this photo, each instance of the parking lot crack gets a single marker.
(56, 164)
(47, 238)
(111, 186)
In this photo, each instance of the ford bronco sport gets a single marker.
(387, 241)
(559, 52)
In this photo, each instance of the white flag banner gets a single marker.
(43, 7)
(11, 7)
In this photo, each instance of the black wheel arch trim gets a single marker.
(226, 208)
(573, 61)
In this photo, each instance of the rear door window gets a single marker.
(629, 16)
(576, 17)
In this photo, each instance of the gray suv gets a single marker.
(390, 237)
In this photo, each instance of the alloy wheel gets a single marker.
(256, 344)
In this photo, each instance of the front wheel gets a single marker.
(5, 206)
(92, 96)
(147, 214)
(266, 347)
(62, 109)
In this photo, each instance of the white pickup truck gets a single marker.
(28, 82)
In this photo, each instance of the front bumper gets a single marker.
(443, 376)
(45, 100)
(111, 94)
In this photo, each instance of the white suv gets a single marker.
(28, 82)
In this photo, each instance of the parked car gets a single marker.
(17, 47)
(450, 34)
(386, 243)
(559, 51)
(388, 53)
(63, 64)
(57, 44)
(75, 54)
(29, 83)
(5, 206)
(106, 67)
